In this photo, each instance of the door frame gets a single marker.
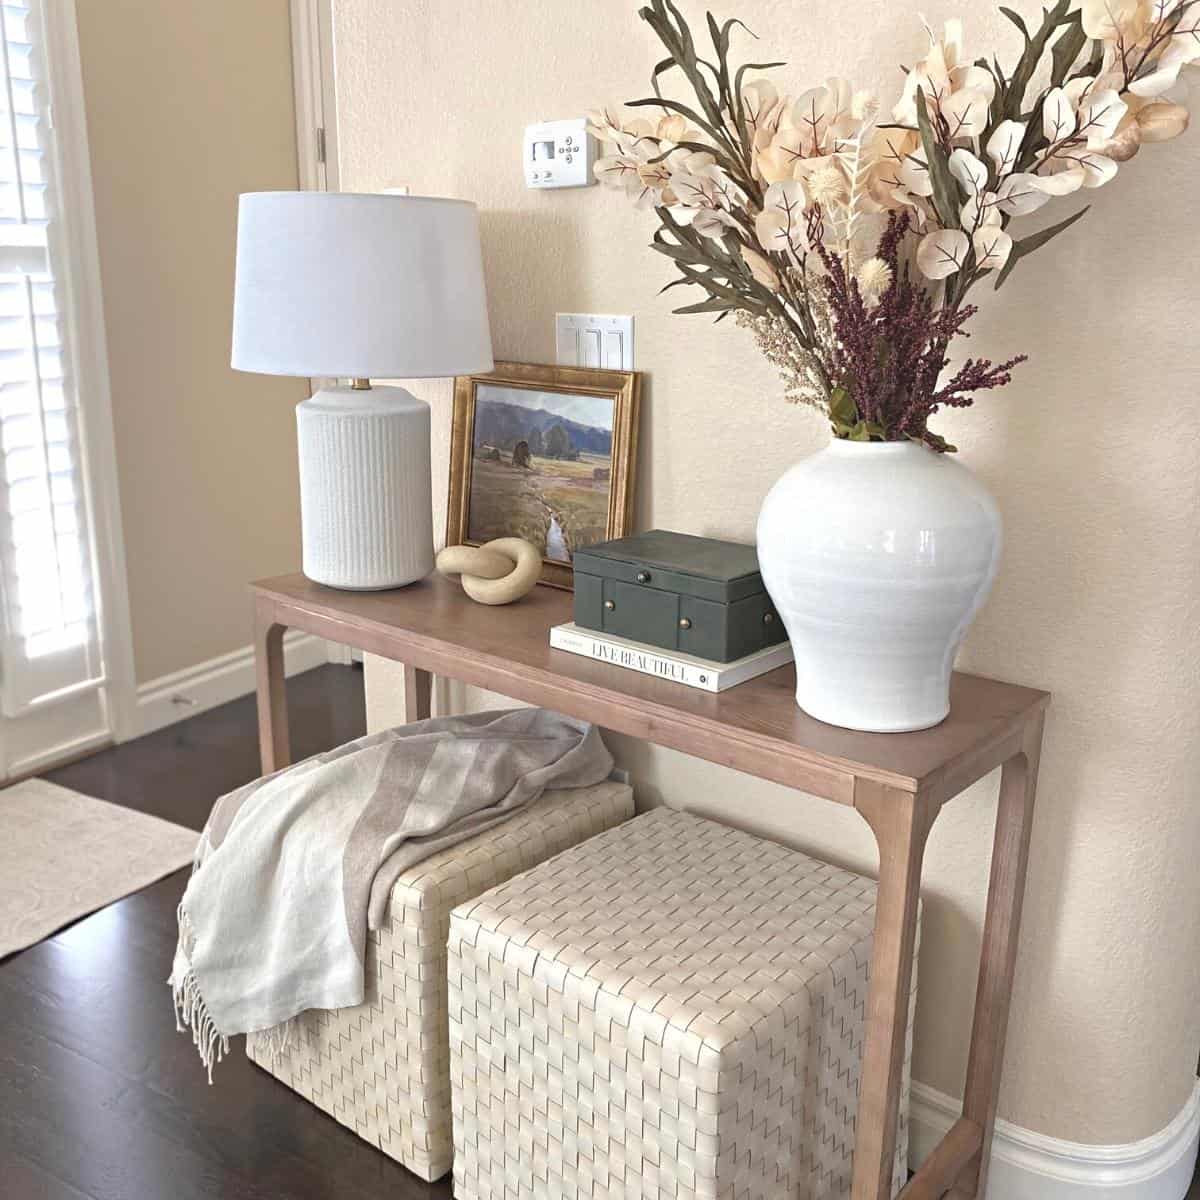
(80, 281)
(313, 67)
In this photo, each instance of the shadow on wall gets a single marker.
(520, 251)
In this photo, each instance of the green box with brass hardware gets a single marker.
(691, 594)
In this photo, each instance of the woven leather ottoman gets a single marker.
(383, 1068)
(672, 1009)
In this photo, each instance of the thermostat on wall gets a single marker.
(559, 154)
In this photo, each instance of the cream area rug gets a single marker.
(64, 855)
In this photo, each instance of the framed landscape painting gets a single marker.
(543, 453)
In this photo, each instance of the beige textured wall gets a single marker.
(1090, 455)
(188, 105)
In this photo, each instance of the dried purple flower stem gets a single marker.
(890, 356)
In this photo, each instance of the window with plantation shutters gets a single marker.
(51, 643)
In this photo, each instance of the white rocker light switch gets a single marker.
(593, 340)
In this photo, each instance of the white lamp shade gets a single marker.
(359, 286)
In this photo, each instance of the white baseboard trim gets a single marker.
(342, 655)
(1032, 1166)
(193, 690)
(64, 752)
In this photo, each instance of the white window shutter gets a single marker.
(51, 646)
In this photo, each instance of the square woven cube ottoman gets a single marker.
(672, 1009)
(383, 1068)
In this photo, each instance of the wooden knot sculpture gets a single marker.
(497, 572)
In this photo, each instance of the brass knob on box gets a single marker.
(684, 623)
(610, 605)
(768, 618)
(643, 577)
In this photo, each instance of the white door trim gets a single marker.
(316, 107)
(1032, 1166)
(86, 316)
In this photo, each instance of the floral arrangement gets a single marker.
(848, 243)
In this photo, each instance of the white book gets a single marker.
(694, 672)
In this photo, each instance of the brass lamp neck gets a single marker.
(361, 385)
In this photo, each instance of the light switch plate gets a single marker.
(594, 340)
(558, 154)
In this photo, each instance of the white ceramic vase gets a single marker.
(877, 555)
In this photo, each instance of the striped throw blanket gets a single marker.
(293, 869)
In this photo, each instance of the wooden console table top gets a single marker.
(755, 727)
(898, 783)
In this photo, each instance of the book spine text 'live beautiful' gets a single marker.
(631, 659)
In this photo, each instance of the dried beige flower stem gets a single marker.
(799, 370)
(804, 369)
(813, 303)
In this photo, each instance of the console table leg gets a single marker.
(1001, 928)
(901, 822)
(418, 693)
(274, 744)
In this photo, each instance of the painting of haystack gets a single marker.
(541, 468)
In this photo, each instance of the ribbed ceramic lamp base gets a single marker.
(365, 490)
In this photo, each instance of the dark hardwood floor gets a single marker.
(100, 1097)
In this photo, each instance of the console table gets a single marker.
(898, 782)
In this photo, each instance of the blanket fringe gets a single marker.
(275, 1042)
(190, 1010)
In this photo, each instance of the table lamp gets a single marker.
(361, 287)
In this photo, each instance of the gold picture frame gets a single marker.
(525, 463)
